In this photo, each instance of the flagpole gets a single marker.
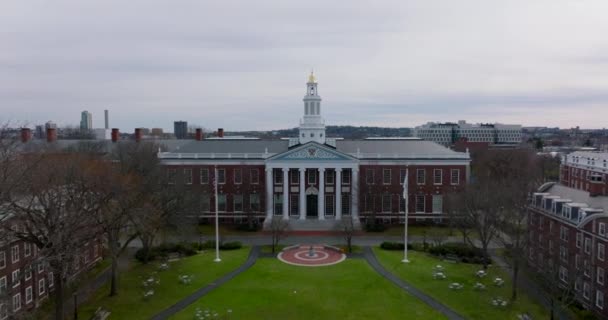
(217, 223)
(405, 197)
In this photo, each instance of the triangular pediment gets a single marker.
(312, 151)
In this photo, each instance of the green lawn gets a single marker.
(468, 302)
(130, 304)
(274, 290)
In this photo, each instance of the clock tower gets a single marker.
(312, 125)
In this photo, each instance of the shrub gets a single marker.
(387, 245)
(466, 253)
(231, 245)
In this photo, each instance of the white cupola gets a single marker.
(312, 125)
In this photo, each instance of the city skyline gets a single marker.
(395, 64)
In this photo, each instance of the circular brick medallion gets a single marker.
(300, 255)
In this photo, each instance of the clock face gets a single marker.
(312, 90)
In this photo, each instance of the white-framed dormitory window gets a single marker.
(386, 202)
(204, 176)
(16, 278)
(278, 204)
(41, 287)
(15, 253)
(420, 176)
(600, 275)
(346, 176)
(587, 245)
(563, 274)
(563, 253)
(187, 175)
(205, 202)
(369, 176)
(27, 249)
(563, 233)
(601, 229)
(437, 203)
(329, 177)
(2, 259)
(221, 176)
(237, 202)
(3, 286)
(294, 204)
(28, 272)
(254, 176)
(238, 176)
(454, 176)
(437, 176)
(221, 202)
(51, 280)
(601, 251)
(579, 239)
(420, 205)
(386, 176)
(17, 302)
(329, 204)
(294, 177)
(599, 299)
(586, 290)
(3, 311)
(312, 176)
(29, 296)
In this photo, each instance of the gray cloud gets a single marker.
(243, 64)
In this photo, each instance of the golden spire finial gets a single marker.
(311, 78)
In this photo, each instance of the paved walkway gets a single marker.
(375, 264)
(182, 304)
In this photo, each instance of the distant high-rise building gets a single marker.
(180, 129)
(86, 120)
(107, 119)
(40, 132)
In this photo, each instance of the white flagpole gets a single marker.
(217, 223)
(405, 197)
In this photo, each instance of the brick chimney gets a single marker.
(138, 134)
(220, 132)
(199, 134)
(51, 134)
(115, 134)
(26, 134)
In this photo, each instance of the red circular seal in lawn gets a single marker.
(311, 255)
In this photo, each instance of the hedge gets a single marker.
(387, 245)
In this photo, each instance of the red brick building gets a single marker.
(25, 282)
(567, 223)
(313, 177)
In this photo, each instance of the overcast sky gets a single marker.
(243, 65)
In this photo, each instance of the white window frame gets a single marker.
(435, 201)
(579, 239)
(390, 203)
(423, 203)
(17, 306)
(384, 176)
(41, 287)
(29, 295)
(234, 198)
(420, 176)
(601, 230)
(3, 285)
(600, 275)
(586, 289)
(601, 251)
(188, 177)
(15, 278)
(221, 173)
(330, 176)
(51, 280)
(599, 302)
(563, 274)
(200, 176)
(27, 249)
(435, 177)
(3, 311)
(2, 259)
(457, 171)
(15, 253)
(235, 175)
(28, 273)
(587, 245)
(256, 175)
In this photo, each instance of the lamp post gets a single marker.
(405, 198)
(217, 223)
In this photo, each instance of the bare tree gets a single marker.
(278, 230)
(559, 285)
(347, 227)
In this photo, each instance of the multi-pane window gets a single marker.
(278, 204)
(599, 299)
(455, 176)
(14, 253)
(600, 275)
(254, 176)
(188, 175)
(577, 262)
(17, 302)
(238, 202)
(3, 285)
(3, 311)
(386, 176)
(587, 245)
(278, 177)
(171, 173)
(221, 202)
(563, 253)
(579, 239)
(369, 176)
(329, 204)
(346, 177)
(294, 204)
(329, 177)
(238, 176)
(294, 177)
(51, 279)
(27, 249)
(345, 203)
(563, 274)
(602, 229)
(586, 290)
(600, 251)
(204, 176)
(563, 233)
(16, 277)
(28, 272)
(386, 203)
(41, 287)
(254, 202)
(28, 294)
(420, 205)
(437, 176)
(205, 203)
(2, 259)
(40, 267)
(420, 176)
(586, 268)
(221, 176)
(437, 203)
(312, 177)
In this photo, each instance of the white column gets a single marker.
(354, 193)
(321, 201)
(338, 208)
(285, 193)
(302, 193)
(269, 193)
